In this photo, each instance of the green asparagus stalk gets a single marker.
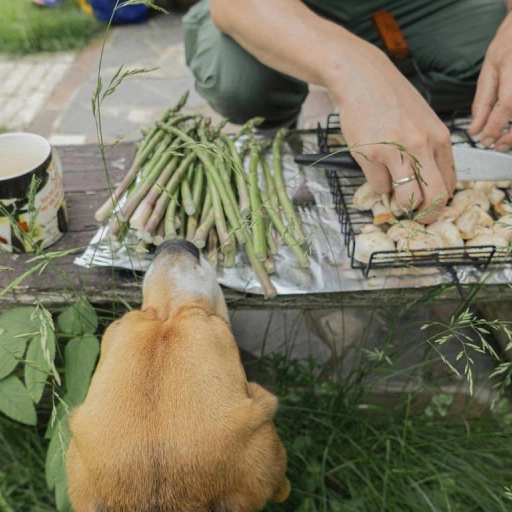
(284, 200)
(271, 241)
(229, 259)
(248, 127)
(269, 290)
(177, 108)
(141, 158)
(213, 247)
(286, 235)
(198, 185)
(160, 234)
(226, 193)
(259, 238)
(225, 240)
(187, 201)
(169, 223)
(270, 265)
(145, 209)
(167, 193)
(196, 178)
(206, 222)
(240, 177)
(182, 230)
(203, 229)
(270, 185)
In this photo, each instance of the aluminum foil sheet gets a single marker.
(330, 269)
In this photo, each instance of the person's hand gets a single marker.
(492, 106)
(378, 105)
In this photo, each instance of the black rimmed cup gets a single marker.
(32, 206)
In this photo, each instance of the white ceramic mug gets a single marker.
(32, 206)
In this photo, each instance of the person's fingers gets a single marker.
(434, 191)
(504, 143)
(406, 186)
(435, 181)
(376, 173)
(499, 117)
(485, 98)
(383, 165)
(444, 159)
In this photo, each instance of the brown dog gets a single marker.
(170, 423)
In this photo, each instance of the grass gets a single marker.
(343, 454)
(22, 483)
(347, 456)
(26, 28)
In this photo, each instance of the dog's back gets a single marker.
(168, 415)
(170, 423)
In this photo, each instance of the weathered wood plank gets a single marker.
(86, 189)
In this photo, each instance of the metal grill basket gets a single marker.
(344, 183)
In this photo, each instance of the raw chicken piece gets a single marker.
(471, 222)
(448, 214)
(503, 227)
(365, 198)
(487, 238)
(447, 232)
(412, 236)
(370, 240)
(389, 200)
(466, 199)
(495, 195)
(462, 185)
(404, 229)
(418, 242)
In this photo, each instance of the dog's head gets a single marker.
(180, 275)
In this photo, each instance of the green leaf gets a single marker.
(16, 327)
(80, 357)
(79, 318)
(38, 364)
(55, 468)
(61, 494)
(15, 401)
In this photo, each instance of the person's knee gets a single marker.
(263, 93)
(231, 100)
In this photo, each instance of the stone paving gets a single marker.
(26, 84)
(51, 94)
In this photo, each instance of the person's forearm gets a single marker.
(288, 37)
(508, 3)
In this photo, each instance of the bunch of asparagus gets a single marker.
(188, 180)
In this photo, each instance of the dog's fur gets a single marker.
(170, 423)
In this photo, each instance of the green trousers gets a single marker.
(448, 39)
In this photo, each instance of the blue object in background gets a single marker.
(103, 10)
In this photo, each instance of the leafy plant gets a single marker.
(29, 362)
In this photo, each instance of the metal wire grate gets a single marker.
(343, 185)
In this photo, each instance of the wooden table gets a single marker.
(86, 188)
